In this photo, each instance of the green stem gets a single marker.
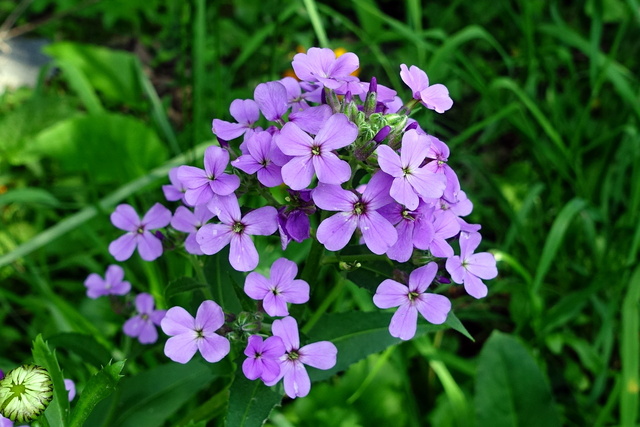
(197, 266)
(314, 17)
(312, 263)
(333, 295)
(333, 259)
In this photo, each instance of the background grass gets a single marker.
(543, 133)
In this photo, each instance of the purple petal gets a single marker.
(344, 65)
(213, 237)
(270, 175)
(475, 287)
(254, 346)
(199, 196)
(273, 348)
(228, 209)
(315, 61)
(469, 242)
(145, 303)
(184, 220)
(402, 191)
(415, 78)
(296, 292)
(228, 131)
(434, 308)
(311, 119)
(440, 248)
(114, 274)
(403, 248)
(225, 184)
(209, 317)
(271, 97)
(414, 149)
(334, 198)
(244, 111)
(298, 172)
(287, 330)
(213, 348)
(148, 333)
(243, 255)
(149, 246)
(336, 133)
(404, 322)
(436, 98)
(390, 294)
(298, 226)
(275, 305)
(427, 184)
(483, 265)
(122, 248)
(177, 321)
(216, 160)
(156, 316)
(172, 193)
(336, 231)
(247, 164)
(283, 271)
(256, 286)
(293, 141)
(192, 177)
(156, 217)
(376, 194)
(252, 368)
(330, 169)
(181, 348)
(262, 221)
(378, 233)
(455, 269)
(321, 355)
(125, 218)
(421, 278)
(133, 326)
(296, 380)
(270, 369)
(95, 286)
(389, 161)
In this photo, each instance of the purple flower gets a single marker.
(189, 335)
(295, 98)
(293, 220)
(311, 119)
(246, 113)
(280, 289)
(356, 211)
(204, 185)
(70, 386)
(321, 355)
(142, 325)
(262, 358)
(272, 99)
(315, 154)
(139, 232)
(5, 422)
(435, 97)
(112, 284)
(176, 190)
(263, 157)
(445, 225)
(411, 300)
(236, 229)
(190, 222)
(469, 268)
(412, 226)
(439, 151)
(321, 65)
(410, 180)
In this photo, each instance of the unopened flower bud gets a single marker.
(25, 392)
(371, 100)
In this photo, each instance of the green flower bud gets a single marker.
(25, 392)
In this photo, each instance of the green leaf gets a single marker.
(221, 277)
(151, 397)
(85, 346)
(96, 143)
(99, 386)
(181, 285)
(510, 388)
(250, 402)
(359, 334)
(58, 411)
(31, 196)
(629, 351)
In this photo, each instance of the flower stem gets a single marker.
(333, 295)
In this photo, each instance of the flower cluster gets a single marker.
(345, 150)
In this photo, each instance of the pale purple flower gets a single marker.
(263, 358)
(246, 112)
(236, 229)
(282, 287)
(411, 226)
(469, 268)
(315, 154)
(410, 180)
(5, 422)
(445, 225)
(293, 220)
(411, 300)
(139, 233)
(321, 355)
(439, 151)
(311, 119)
(112, 284)
(70, 386)
(204, 185)
(321, 65)
(176, 190)
(295, 99)
(190, 222)
(262, 157)
(272, 100)
(356, 211)
(189, 335)
(143, 324)
(462, 207)
(435, 97)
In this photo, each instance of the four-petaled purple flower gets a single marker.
(281, 288)
(263, 157)
(321, 65)
(469, 268)
(411, 180)
(190, 222)
(435, 97)
(321, 355)
(139, 232)
(204, 185)
(189, 335)
(246, 112)
(236, 229)
(315, 154)
(143, 324)
(176, 190)
(263, 358)
(356, 211)
(411, 300)
(112, 284)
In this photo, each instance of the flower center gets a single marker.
(140, 229)
(406, 214)
(359, 208)
(293, 355)
(237, 227)
(199, 333)
(144, 316)
(413, 296)
(406, 171)
(315, 150)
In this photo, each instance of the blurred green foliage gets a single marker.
(544, 134)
